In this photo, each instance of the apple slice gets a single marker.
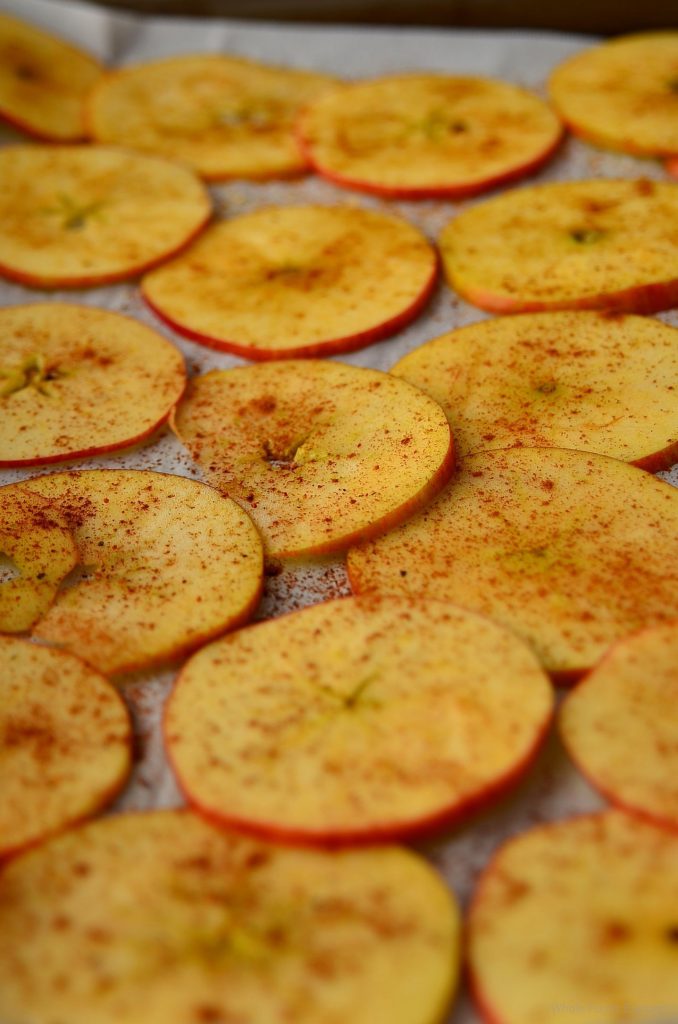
(563, 380)
(296, 281)
(628, 703)
(578, 919)
(39, 545)
(43, 82)
(167, 564)
(224, 116)
(356, 720)
(320, 453)
(65, 742)
(75, 381)
(74, 216)
(571, 550)
(623, 94)
(160, 918)
(423, 135)
(608, 244)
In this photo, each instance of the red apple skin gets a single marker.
(672, 166)
(333, 347)
(649, 298)
(431, 191)
(425, 828)
(660, 461)
(49, 283)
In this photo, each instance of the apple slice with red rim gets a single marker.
(627, 705)
(422, 135)
(571, 550)
(166, 563)
(296, 281)
(320, 453)
(160, 918)
(357, 720)
(75, 216)
(623, 94)
(65, 742)
(44, 82)
(564, 380)
(606, 244)
(578, 918)
(76, 381)
(225, 116)
(41, 550)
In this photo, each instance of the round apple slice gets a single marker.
(606, 244)
(75, 381)
(43, 82)
(578, 919)
(37, 541)
(296, 281)
(562, 380)
(65, 742)
(167, 564)
(320, 453)
(224, 116)
(428, 135)
(160, 918)
(623, 94)
(382, 718)
(74, 216)
(571, 550)
(628, 704)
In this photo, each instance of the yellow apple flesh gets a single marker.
(296, 281)
(65, 742)
(167, 564)
(571, 550)
(584, 380)
(356, 720)
(623, 94)
(607, 244)
(320, 453)
(428, 135)
(620, 724)
(74, 216)
(43, 82)
(76, 381)
(224, 116)
(578, 918)
(159, 918)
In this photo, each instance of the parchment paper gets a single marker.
(554, 789)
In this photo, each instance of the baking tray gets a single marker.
(553, 789)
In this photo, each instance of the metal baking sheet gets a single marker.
(553, 789)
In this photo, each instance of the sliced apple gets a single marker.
(578, 919)
(428, 135)
(43, 82)
(320, 453)
(571, 550)
(296, 281)
(608, 244)
(356, 720)
(38, 543)
(65, 742)
(224, 116)
(620, 724)
(76, 381)
(159, 918)
(623, 94)
(166, 565)
(564, 380)
(74, 216)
